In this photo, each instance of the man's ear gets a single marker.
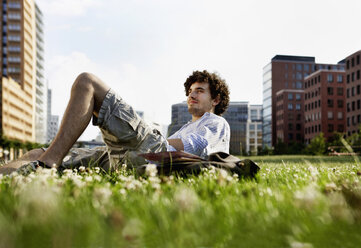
(216, 101)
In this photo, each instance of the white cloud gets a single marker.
(67, 8)
(139, 88)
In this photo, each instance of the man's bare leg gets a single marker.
(87, 95)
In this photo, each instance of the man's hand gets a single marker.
(177, 144)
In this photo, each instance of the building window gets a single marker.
(358, 104)
(340, 128)
(339, 78)
(14, 38)
(14, 59)
(14, 27)
(14, 49)
(298, 96)
(329, 78)
(358, 74)
(290, 106)
(290, 136)
(353, 106)
(348, 107)
(339, 91)
(358, 59)
(298, 85)
(330, 128)
(358, 89)
(348, 93)
(290, 96)
(339, 115)
(340, 103)
(298, 106)
(13, 5)
(330, 103)
(298, 126)
(330, 115)
(290, 126)
(330, 91)
(348, 78)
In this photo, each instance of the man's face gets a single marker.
(200, 101)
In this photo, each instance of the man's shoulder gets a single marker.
(214, 118)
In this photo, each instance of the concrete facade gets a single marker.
(18, 69)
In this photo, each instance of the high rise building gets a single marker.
(289, 115)
(325, 106)
(52, 121)
(254, 128)
(18, 69)
(41, 85)
(353, 92)
(237, 118)
(180, 116)
(285, 73)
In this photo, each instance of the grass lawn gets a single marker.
(295, 201)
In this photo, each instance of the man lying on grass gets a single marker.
(125, 134)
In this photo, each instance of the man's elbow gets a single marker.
(177, 144)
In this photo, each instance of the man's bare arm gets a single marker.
(177, 144)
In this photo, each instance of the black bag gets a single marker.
(185, 163)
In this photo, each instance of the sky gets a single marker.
(145, 49)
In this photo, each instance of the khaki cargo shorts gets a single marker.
(125, 134)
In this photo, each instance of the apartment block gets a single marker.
(353, 92)
(285, 72)
(254, 128)
(180, 116)
(18, 69)
(52, 120)
(41, 85)
(325, 103)
(289, 115)
(237, 118)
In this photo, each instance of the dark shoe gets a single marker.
(26, 169)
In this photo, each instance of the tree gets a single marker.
(317, 145)
(280, 147)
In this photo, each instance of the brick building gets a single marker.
(289, 115)
(324, 106)
(285, 73)
(353, 84)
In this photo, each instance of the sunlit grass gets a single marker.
(295, 201)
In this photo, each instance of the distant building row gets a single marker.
(302, 98)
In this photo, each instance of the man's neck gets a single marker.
(196, 118)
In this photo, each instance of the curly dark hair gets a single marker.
(217, 85)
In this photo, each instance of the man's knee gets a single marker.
(84, 82)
